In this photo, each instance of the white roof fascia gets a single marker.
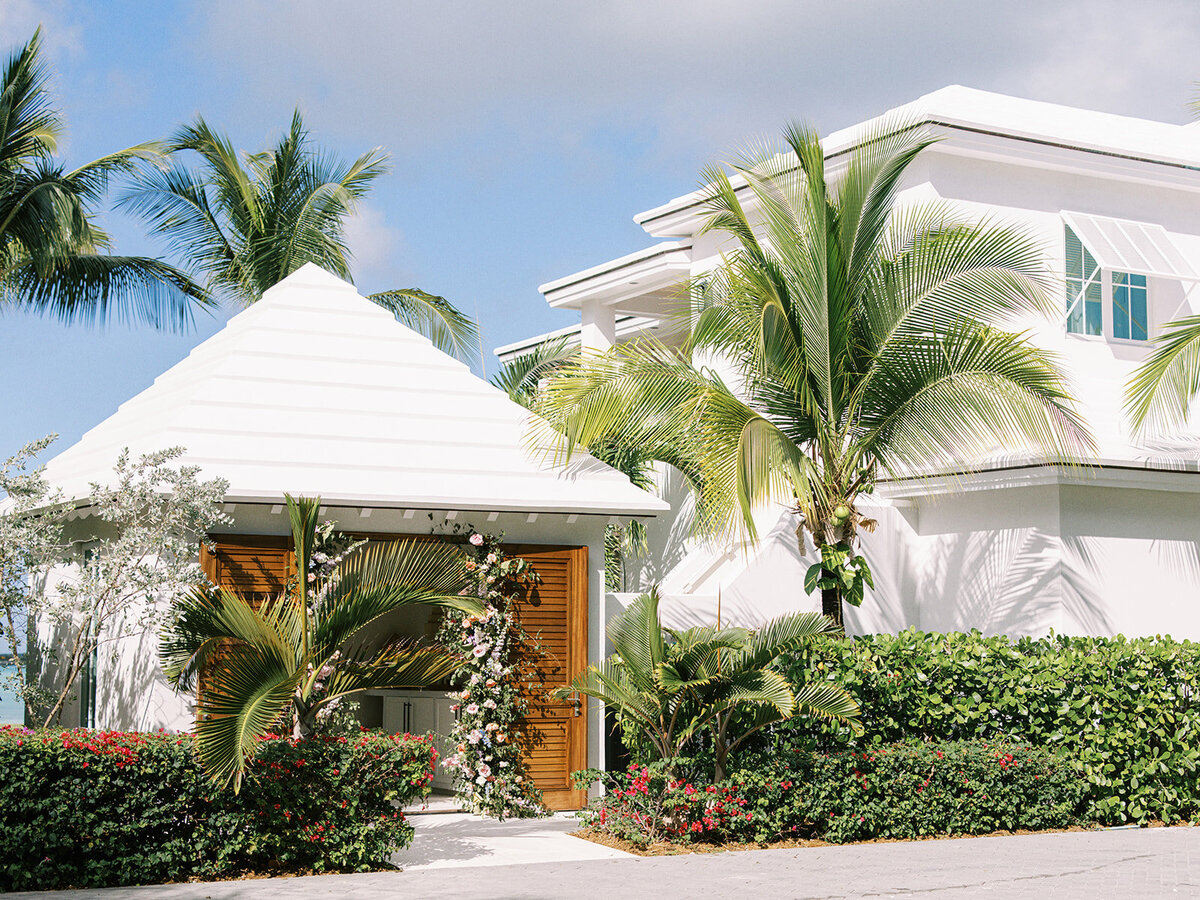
(625, 325)
(1154, 474)
(654, 268)
(1142, 248)
(973, 116)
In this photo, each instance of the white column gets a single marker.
(599, 326)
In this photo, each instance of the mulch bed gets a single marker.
(671, 848)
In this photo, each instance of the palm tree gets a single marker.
(864, 341)
(671, 685)
(291, 660)
(53, 258)
(243, 222)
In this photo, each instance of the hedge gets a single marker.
(898, 791)
(1125, 711)
(87, 808)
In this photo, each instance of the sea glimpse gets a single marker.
(12, 711)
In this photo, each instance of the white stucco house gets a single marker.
(315, 391)
(1024, 546)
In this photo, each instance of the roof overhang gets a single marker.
(1141, 248)
(1157, 473)
(625, 326)
(655, 270)
(1002, 127)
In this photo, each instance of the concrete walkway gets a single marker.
(1130, 865)
(459, 840)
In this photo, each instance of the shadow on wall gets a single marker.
(1001, 582)
(668, 536)
(132, 691)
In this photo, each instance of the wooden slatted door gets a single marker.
(554, 614)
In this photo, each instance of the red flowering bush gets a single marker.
(85, 808)
(899, 791)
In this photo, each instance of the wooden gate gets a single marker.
(554, 614)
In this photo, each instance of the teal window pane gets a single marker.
(1083, 300)
(1140, 326)
(1129, 307)
(1120, 309)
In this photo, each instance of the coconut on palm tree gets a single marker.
(288, 662)
(244, 222)
(671, 685)
(54, 257)
(858, 339)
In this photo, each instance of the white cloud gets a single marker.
(377, 248)
(691, 76)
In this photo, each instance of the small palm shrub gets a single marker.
(671, 687)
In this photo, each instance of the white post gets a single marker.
(599, 327)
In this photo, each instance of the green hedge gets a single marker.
(897, 791)
(88, 809)
(1127, 712)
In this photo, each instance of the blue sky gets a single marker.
(524, 136)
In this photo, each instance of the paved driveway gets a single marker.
(1128, 865)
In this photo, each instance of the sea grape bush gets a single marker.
(1125, 711)
(84, 808)
(896, 791)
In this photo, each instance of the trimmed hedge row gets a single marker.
(86, 808)
(1126, 711)
(899, 791)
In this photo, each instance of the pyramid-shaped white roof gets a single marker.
(316, 391)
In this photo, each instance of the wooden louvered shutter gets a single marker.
(257, 566)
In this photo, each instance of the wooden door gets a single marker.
(555, 614)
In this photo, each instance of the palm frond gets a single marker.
(451, 330)
(521, 377)
(241, 700)
(382, 577)
(1159, 393)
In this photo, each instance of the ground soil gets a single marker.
(670, 848)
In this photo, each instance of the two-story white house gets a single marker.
(1021, 546)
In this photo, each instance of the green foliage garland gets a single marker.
(490, 739)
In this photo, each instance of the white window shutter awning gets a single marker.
(1141, 248)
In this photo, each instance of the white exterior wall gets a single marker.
(1077, 552)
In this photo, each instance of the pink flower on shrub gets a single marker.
(477, 540)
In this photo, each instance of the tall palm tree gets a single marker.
(671, 685)
(53, 254)
(864, 340)
(260, 666)
(243, 222)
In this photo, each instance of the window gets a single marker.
(1084, 305)
(1129, 306)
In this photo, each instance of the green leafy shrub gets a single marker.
(957, 787)
(1126, 711)
(897, 791)
(90, 809)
